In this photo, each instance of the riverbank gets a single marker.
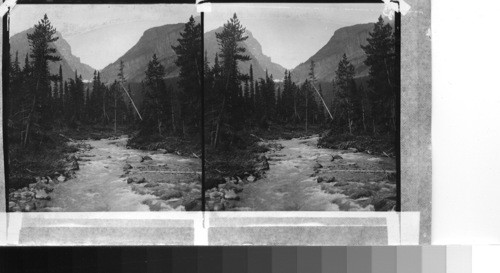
(288, 169)
(91, 169)
(302, 177)
(376, 145)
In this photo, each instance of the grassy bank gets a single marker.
(186, 146)
(378, 145)
(43, 159)
(47, 152)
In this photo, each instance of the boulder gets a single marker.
(384, 204)
(171, 194)
(136, 180)
(191, 205)
(336, 157)
(251, 178)
(61, 178)
(236, 188)
(360, 193)
(231, 195)
(127, 167)
(317, 166)
(146, 158)
(71, 158)
(218, 206)
(341, 184)
(28, 207)
(214, 195)
(330, 179)
(262, 157)
(41, 194)
(163, 151)
(262, 165)
(152, 185)
(74, 166)
(134, 159)
(352, 150)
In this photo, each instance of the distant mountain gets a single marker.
(157, 40)
(259, 61)
(70, 63)
(346, 40)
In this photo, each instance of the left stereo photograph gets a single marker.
(102, 110)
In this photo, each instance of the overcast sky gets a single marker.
(100, 34)
(291, 33)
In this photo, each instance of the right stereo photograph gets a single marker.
(301, 108)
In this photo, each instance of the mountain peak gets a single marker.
(69, 63)
(156, 40)
(259, 61)
(346, 40)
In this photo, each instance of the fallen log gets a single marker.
(364, 171)
(171, 172)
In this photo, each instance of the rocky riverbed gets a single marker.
(297, 175)
(106, 176)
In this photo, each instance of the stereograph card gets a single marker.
(213, 123)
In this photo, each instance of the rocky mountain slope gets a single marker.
(346, 40)
(157, 40)
(259, 61)
(70, 63)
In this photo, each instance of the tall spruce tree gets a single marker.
(231, 53)
(381, 58)
(41, 53)
(155, 102)
(344, 80)
(189, 60)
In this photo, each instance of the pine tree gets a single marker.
(344, 80)
(189, 60)
(154, 105)
(41, 53)
(231, 53)
(381, 58)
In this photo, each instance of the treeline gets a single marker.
(236, 101)
(40, 102)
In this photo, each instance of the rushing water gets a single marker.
(291, 183)
(99, 185)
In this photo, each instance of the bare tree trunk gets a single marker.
(363, 112)
(30, 116)
(173, 115)
(219, 121)
(104, 106)
(115, 111)
(307, 116)
(28, 125)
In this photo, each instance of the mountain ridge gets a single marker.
(346, 40)
(69, 62)
(259, 61)
(152, 41)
